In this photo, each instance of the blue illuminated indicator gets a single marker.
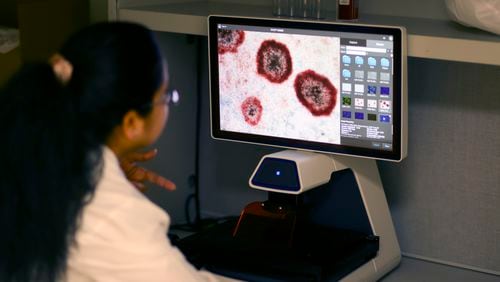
(278, 173)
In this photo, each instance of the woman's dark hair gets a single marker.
(52, 138)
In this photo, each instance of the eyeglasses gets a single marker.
(171, 97)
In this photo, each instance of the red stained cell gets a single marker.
(252, 110)
(274, 61)
(315, 92)
(229, 40)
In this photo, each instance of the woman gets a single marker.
(67, 211)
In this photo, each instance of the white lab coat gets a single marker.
(122, 237)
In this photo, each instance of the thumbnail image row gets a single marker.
(370, 89)
(371, 75)
(368, 116)
(371, 104)
(359, 60)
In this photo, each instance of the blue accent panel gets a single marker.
(277, 174)
(338, 204)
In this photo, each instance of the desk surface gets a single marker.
(415, 270)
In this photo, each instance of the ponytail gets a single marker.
(45, 174)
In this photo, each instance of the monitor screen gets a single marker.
(328, 87)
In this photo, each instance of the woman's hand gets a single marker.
(139, 175)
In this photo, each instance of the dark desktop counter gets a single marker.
(417, 270)
(317, 254)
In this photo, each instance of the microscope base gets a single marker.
(317, 255)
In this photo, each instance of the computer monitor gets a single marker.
(321, 86)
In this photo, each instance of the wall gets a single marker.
(98, 11)
(8, 13)
(9, 62)
(45, 24)
(445, 197)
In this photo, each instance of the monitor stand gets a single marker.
(374, 200)
(332, 224)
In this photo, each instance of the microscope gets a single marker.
(326, 219)
(334, 96)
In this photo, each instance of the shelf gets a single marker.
(433, 39)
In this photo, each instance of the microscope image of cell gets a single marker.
(315, 92)
(274, 61)
(252, 110)
(229, 40)
(279, 112)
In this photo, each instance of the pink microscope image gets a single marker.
(270, 85)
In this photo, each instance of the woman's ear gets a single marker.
(133, 125)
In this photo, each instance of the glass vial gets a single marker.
(313, 8)
(347, 9)
(305, 9)
(296, 8)
(281, 7)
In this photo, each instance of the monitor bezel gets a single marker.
(399, 114)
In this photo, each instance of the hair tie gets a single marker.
(62, 68)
